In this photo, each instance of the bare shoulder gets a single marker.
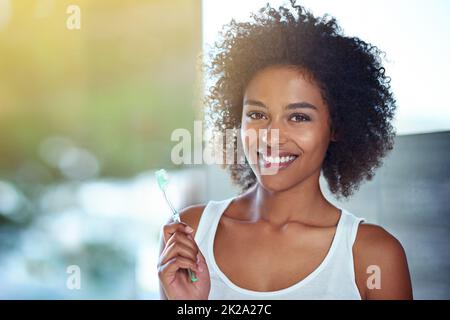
(372, 238)
(191, 215)
(377, 251)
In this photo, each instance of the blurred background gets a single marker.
(86, 116)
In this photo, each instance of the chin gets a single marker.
(275, 183)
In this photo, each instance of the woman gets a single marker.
(326, 104)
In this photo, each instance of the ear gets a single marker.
(334, 136)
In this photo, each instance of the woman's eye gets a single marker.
(300, 117)
(256, 115)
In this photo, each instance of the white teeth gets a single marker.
(278, 159)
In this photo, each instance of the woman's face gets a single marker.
(284, 100)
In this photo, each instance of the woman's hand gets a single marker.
(179, 254)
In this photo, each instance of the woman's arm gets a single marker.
(381, 266)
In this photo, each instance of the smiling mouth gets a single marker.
(281, 162)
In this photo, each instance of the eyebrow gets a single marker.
(291, 106)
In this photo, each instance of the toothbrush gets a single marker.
(163, 180)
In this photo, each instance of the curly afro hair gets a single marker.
(348, 70)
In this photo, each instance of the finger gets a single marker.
(173, 265)
(170, 228)
(200, 257)
(177, 249)
(185, 239)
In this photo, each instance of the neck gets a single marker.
(303, 203)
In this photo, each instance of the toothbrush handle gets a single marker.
(174, 211)
(176, 218)
(192, 275)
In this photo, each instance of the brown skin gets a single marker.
(178, 253)
(281, 229)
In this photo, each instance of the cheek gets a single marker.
(249, 139)
(249, 134)
(313, 140)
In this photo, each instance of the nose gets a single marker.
(275, 134)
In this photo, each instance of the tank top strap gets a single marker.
(350, 225)
(212, 211)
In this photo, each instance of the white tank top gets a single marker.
(334, 278)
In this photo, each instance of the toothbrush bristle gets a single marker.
(162, 178)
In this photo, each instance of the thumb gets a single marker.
(204, 274)
(200, 257)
